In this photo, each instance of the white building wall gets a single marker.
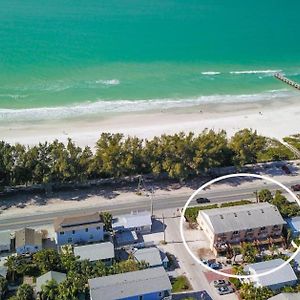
(84, 235)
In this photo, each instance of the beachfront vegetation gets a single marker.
(178, 156)
(191, 213)
(286, 208)
(293, 140)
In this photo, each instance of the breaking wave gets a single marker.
(104, 106)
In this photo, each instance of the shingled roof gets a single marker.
(77, 221)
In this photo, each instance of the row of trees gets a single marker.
(286, 208)
(78, 273)
(179, 156)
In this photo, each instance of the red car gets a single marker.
(296, 187)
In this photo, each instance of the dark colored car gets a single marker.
(221, 282)
(202, 200)
(223, 290)
(215, 266)
(286, 170)
(296, 187)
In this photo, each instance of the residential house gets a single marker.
(153, 256)
(5, 241)
(260, 223)
(52, 275)
(79, 229)
(274, 281)
(140, 222)
(102, 251)
(147, 284)
(28, 241)
(294, 226)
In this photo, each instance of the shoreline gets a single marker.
(273, 118)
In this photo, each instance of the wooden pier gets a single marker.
(287, 81)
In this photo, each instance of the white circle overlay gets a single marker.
(220, 179)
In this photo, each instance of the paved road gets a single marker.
(227, 193)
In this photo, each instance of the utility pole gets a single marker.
(163, 219)
(151, 199)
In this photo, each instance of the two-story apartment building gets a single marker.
(79, 229)
(259, 222)
(147, 284)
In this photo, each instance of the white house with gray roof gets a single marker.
(150, 283)
(274, 281)
(153, 256)
(259, 222)
(93, 252)
(137, 221)
(80, 229)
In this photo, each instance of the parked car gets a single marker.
(221, 282)
(215, 265)
(286, 169)
(224, 290)
(296, 187)
(202, 200)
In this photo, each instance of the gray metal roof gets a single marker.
(129, 284)
(149, 255)
(52, 275)
(285, 274)
(242, 217)
(286, 296)
(5, 237)
(95, 252)
(135, 219)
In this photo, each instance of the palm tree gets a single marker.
(12, 265)
(25, 292)
(3, 287)
(49, 290)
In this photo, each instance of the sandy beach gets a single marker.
(276, 119)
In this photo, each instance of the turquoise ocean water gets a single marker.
(73, 57)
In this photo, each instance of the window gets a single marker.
(91, 237)
(275, 226)
(86, 230)
(249, 213)
(221, 216)
(98, 228)
(62, 233)
(73, 231)
(70, 240)
(262, 228)
(235, 232)
(262, 211)
(235, 214)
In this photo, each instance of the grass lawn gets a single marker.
(180, 284)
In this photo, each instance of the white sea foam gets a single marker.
(210, 73)
(255, 72)
(104, 106)
(109, 81)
